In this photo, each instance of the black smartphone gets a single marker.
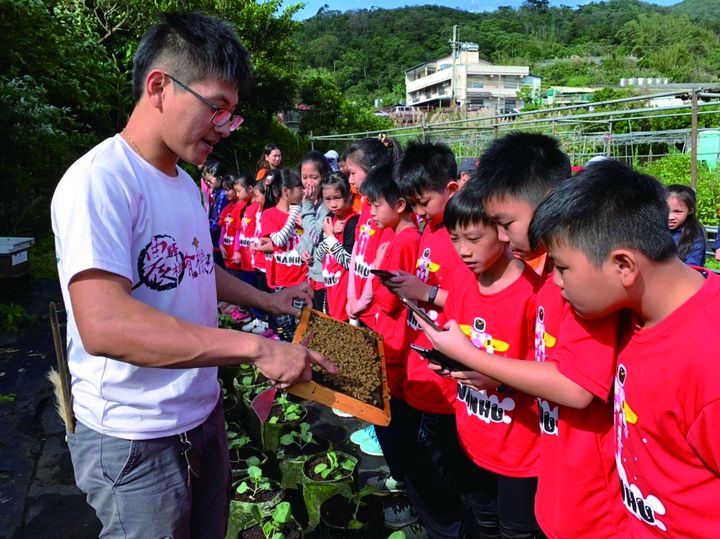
(383, 274)
(417, 311)
(438, 358)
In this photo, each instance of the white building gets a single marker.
(469, 81)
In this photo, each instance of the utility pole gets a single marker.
(454, 44)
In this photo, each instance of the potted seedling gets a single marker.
(280, 524)
(284, 416)
(243, 456)
(321, 475)
(296, 446)
(352, 515)
(254, 493)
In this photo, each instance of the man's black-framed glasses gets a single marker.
(221, 117)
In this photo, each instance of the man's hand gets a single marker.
(288, 364)
(281, 302)
(408, 285)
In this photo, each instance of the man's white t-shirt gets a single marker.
(115, 212)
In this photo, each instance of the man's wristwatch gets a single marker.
(433, 294)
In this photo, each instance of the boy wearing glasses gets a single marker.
(141, 290)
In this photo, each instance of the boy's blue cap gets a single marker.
(467, 164)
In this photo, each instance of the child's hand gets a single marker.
(327, 227)
(451, 341)
(265, 245)
(408, 285)
(380, 254)
(310, 192)
(223, 253)
(305, 256)
(236, 257)
(353, 308)
(475, 380)
(338, 227)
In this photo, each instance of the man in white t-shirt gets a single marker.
(141, 290)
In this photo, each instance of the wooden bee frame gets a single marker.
(316, 392)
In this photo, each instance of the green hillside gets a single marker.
(700, 10)
(367, 51)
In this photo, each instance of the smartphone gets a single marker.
(383, 274)
(438, 358)
(417, 311)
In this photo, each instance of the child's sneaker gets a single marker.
(415, 531)
(400, 513)
(371, 446)
(340, 413)
(384, 484)
(359, 436)
(256, 326)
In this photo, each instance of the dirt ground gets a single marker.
(38, 496)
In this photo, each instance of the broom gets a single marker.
(60, 378)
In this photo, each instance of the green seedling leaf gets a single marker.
(287, 439)
(253, 461)
(319, 468)
(282, 513)
(243, 488)
(348, 465)
(355, 525)
(255, 473)
(273, 420)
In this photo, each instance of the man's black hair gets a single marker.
(379, 183)
(425, 167)
(521, 165)
(607, 206)
(465, 209)
(191, 47)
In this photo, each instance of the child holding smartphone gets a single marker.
(575, 358)
(391, 211)
(493, 301)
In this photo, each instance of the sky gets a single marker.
(312, 6)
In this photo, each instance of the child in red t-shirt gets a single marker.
(337, 243)
(281, 233)
(573, 374)
(361, 157)
(232, 229)
(426, 177)
(667, 381)
(493, 301)
(391, 211)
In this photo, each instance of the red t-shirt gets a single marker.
(229, 218)
(667, 420)
(336, 277)
(367, 241)
(497, 429)
(437, 259)
(401, 254)
(286, 267)
(577, 485)
(245, 233)
(259, 260)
